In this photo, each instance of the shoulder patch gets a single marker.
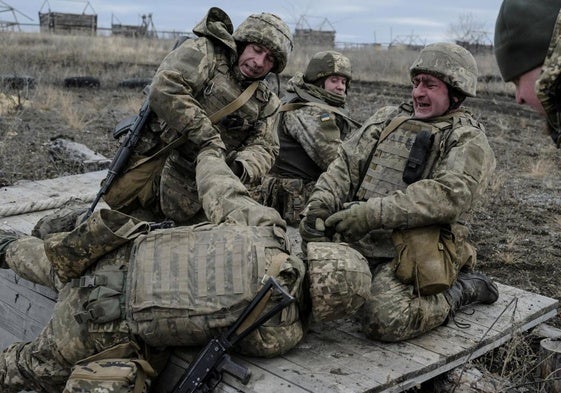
(324, 117)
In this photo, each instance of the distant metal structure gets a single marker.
(411, 41)
(67, 23)
(305, 35)
(6, 25)
(146, 29)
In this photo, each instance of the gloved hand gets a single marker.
(312, 226)
(353, 222)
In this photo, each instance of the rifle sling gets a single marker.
(214, 118)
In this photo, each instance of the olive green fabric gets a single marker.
(522, 34)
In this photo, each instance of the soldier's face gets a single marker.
(255, 61)
(336, 84)
(430, 96)
(525, 89)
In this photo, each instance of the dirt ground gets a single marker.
(516, 229)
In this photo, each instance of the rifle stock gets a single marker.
(206, 369)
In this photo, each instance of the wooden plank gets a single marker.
(333, 358)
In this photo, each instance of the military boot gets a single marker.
(471, 288)
(6, 237)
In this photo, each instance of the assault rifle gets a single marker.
(122, 156)
(205, 371)
(127, 145)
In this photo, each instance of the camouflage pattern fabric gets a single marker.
(340, 280)
(456, 178)
(270, 31)
(45, 363)
(449, 62)
(548, 87)
(309, 138)
(194, 81)
(327, 63)
(393, 312)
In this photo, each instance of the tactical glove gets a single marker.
(353, 222)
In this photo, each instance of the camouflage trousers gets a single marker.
(394, 312)
(44, 364)
(287, 196)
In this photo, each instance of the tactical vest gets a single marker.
(185, 284)
(384, 173)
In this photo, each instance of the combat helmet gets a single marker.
(339, 279)
(270, 31)
(327, 63)
(449, 62)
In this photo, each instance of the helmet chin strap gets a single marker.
(456, 99)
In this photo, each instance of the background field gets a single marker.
(516, 228)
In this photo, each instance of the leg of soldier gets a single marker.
(26, 257)
(44, 364)
(395, 313)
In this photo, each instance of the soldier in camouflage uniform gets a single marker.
(411, 171)
(194, 83)
(167, 287)
(528, 52)
(313, 122)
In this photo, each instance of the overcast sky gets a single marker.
(359, 21)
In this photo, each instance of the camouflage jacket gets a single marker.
(200, 77)
(311, 134)
(459, 174)
(548, 85)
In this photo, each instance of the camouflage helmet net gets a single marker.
(327, 63)
(270, 31)
(339, 280)
(449, 62)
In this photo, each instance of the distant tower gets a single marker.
(13, 25)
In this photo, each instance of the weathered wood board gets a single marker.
(334, 357)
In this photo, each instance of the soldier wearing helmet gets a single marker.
(399, 191)
(528, 52)
(208, 91)
(312, 124)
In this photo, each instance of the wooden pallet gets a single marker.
(334, 357)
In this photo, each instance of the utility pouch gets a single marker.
(426, 258)
(418, 157)
(104, 372)
(71, 253)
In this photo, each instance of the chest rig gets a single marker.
(222, 89)
(396, 148)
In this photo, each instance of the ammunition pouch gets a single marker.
(119, 369)
(429, 258)
(71, 253)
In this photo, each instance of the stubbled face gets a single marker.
(526, 91)
(430, 96)
(255, 61)
(336, 84)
